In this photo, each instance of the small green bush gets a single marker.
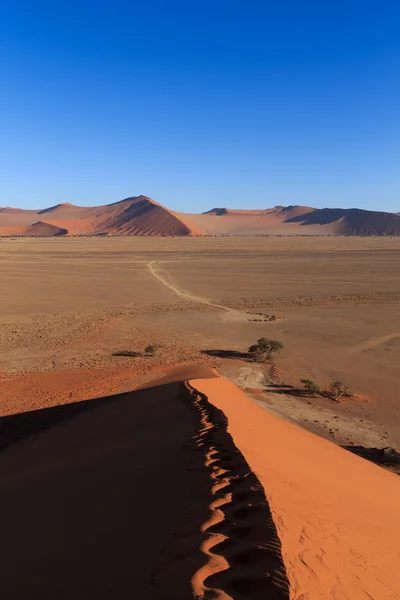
(152, 349)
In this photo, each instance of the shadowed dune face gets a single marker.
(103, 505)
(113, 497)
(324, 216)
(352, 221)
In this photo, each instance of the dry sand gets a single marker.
(337, 515)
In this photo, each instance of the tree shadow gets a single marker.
(127, 353)
(386, 457)
(233, 354)
(282, 388)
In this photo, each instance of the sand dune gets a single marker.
(273, 221)
(337, 515)
(120, 497)
(190, 490)
(351, 221)
(133, 216)
(296, 220)
(42, 228)
(141, 215)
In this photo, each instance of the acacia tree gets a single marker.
(265, 348)
(339, 389)
(311, 386)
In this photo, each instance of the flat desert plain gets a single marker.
(76, 315)
(171, 481)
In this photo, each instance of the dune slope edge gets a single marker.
(337, 515)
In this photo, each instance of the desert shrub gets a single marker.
(311, 386)
(339, 389)
(152, 349)
(265, 348)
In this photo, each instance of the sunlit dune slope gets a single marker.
(338, 516)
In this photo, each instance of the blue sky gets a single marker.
(200, 103)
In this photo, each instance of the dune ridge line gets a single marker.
(241, 543)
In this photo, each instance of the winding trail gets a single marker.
(230, 314)
(181, 293)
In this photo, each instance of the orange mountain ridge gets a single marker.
(141, 215)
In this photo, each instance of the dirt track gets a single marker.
(231, 314)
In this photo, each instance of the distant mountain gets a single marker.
(141, 215)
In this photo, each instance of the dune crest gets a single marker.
(241, 544)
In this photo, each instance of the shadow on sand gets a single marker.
(16, 427)
(110, 498)
(385, 457)
(127, 353)
(280, 388)
(234, 354)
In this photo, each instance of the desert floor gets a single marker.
(77, 313)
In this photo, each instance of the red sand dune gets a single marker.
(140, 496)
(116, 498)
(223, 221)
(132, 216)
(337, 515)
(42, 228)
(143, 216)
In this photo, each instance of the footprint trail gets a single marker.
(241, 545)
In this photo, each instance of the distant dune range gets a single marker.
(141, 215)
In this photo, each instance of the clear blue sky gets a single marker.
(200, 103)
